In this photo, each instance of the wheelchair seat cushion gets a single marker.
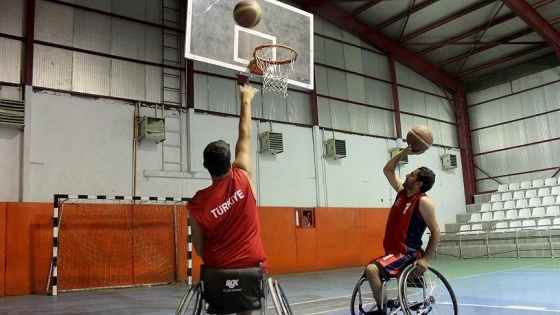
(232, 290)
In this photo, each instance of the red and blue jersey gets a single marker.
(227, 214)
(405, 225)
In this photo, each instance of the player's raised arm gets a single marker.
(389, 170)
(243, 146)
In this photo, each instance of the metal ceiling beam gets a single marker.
(365, 7)
(525, 12)
(480, 28)
(406, 13)
(350, 23)
(447, 19)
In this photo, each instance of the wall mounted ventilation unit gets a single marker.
(448, 161)
(336, 148)
(395, 151)
(12, 113)
(151, 129)
(271, 142)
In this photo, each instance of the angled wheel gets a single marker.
(362, 298)
(192, 301)
(279, 298)
(426, 293)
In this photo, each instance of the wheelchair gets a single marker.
(195, 301)
(415, 293)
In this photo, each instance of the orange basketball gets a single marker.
(247, 13)
(420, 138)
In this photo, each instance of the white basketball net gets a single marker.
(275, 74)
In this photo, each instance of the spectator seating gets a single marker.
(537, 212)
(543, 224)
(513, 186)
(486, 216)
(548, 201)
(504, 188)
(530, 193)
(524, 213)
(498, 215)
(511, 215)
(525, 185)
(555, 224)
(555, 190)
(552, 211)
(537, 183)
(475, 217)
(542, 192)
(500, 227)
(528, 224)
(513, 226)
(550, 181)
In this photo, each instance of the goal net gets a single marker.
(109, 242)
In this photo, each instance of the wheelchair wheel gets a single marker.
(362, 298)
(192, 301)
(427, 293)
(278, 298)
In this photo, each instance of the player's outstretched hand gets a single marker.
(247, 92)
(410, 152)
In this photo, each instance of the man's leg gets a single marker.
(372, 274)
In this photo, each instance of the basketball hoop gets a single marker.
(274, 63)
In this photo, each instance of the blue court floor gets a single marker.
(529, 286)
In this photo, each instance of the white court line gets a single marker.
(516, 307)
(493, 272)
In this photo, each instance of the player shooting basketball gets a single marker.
(225, 224)
(409, 216)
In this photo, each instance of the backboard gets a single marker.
(214, 37)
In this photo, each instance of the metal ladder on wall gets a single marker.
(171, 84)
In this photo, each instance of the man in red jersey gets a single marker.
(409, 216)
(224, 220)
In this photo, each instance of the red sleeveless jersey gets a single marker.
(405, 225)
(227, 213)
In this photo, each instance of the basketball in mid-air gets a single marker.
(247, 13)
(420, 138)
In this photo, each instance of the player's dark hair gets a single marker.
(217, 158)
(427, 177)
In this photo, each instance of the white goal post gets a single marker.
(118, 241)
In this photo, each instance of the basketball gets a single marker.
(247, 13)
(420, 138)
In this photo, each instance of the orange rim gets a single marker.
(276, 62)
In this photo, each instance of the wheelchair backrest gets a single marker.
(232, 290)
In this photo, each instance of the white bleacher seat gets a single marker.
(521, 203)
(550, 181)
(555, 191)
(485, 207)
(464, 229)
(547, 201)
(500, 227)
(486, 217)
(530, 193)
(525, 185)
(513, 226)
(506, 196)
(537, 183)
(528, 224)
(498, 216)
(558, 181)
(511, 215)
(543, 224)
(518, 195)
(475, 217)
(542, 192)
(510, 204)
(497, 206)
(524, 213)
(552, 211)
(555, 224)
(495, 197)
(513, 186)
(534, 202)
(557, 200)
(537, 212)
(504, 187)
(477, 229)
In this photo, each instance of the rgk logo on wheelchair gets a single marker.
(231, 286)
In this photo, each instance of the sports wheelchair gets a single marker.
(226, 291)
(416, 293)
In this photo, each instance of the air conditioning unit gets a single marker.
(336, 148)
(395, 151)
(271, 142)
(12, 113)
(151, 129)
(448, 161)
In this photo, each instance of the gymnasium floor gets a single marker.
(482, 286)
